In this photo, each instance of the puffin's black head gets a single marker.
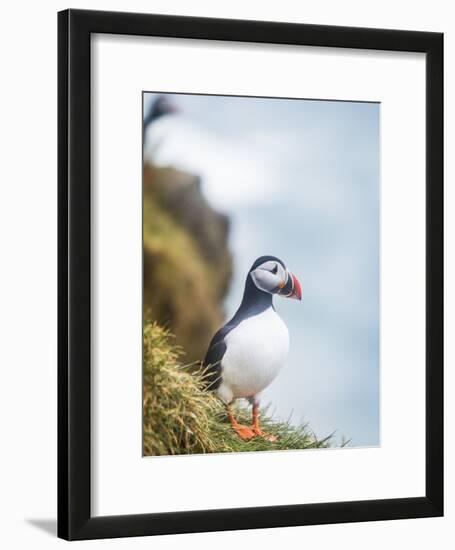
(269, 274)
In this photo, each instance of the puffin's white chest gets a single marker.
(255, 352)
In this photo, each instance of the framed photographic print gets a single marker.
(250, 274)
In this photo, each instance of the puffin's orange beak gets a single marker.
(297, 290)
(292, 288)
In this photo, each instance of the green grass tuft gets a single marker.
(180, 417)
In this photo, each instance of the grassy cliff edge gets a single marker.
(180, 417)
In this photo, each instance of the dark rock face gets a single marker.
(187, 263)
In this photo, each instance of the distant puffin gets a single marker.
(247, 353)
(160, 107)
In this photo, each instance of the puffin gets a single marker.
(249, 351)
(160, 107)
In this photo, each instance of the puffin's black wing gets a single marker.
(214, 356)
(217, 347)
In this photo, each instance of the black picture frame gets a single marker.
(75, 521)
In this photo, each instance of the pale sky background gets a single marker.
(299, 180)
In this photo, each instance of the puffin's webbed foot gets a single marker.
(245, 432)
(257, 429)
(268, 437)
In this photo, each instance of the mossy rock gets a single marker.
(187, 263)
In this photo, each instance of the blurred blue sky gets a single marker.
(300, 180)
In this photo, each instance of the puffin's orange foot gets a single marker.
(267, 437)
(244, 432)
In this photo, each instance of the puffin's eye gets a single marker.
(275, 269)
